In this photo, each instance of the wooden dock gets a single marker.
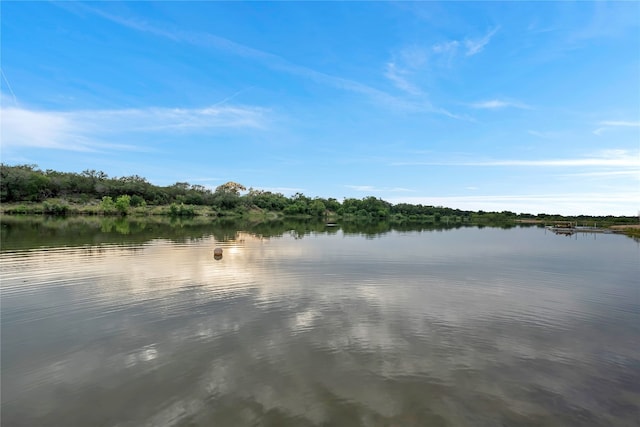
(578, 229)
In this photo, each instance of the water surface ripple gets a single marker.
(468, 327)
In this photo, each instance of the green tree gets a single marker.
(350, 206)
(15, 183)
(123, 203)
(266, 200)
(231, 188)
(376, 207)
(317, 208)
(227, 196)
(107, 205)
(332, 204)
(137, 201)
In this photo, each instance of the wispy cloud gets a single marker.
(91, 130)
(272, 61)
(604, 158)
(374, 189)
(526, 197)
(495, 104)
(446, 52)
(399, 77)
(179, 119)
(544, 134)
(6, 81)
(406, 64)
(446, 47)
(536, 28)
(475, 46)
(612, 124)
(620, 123)
(608, 20)
(634, 173)
(43, 129)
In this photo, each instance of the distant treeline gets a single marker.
(27, 183)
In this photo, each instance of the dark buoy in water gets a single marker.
(217, 253)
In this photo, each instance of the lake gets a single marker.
(110, 322)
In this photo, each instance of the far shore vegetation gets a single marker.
(25, 189)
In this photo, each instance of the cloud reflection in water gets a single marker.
(464, 327)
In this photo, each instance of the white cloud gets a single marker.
(448, 50)
(609, 20)
(161, 119)
(90, 130)
(373, 189)
(414, 57)
(612, 124)
(446, 47)
(604, 158)
(620, 123)
(560, 162)
(407, 64)
(634, 173)
(399, 78)
(42, 129)
(475, 46)
(495, 104)
(544, 134)
(269, 60)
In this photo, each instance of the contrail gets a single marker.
(230, 97)
(15, 100)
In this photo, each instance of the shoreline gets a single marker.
(64, 208)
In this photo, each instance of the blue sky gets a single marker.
(529, 107)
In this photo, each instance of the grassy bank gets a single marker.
(63, 207)
(629, 230)
(122, 207)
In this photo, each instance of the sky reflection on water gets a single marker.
(464, 327)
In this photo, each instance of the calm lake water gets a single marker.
(116, 323)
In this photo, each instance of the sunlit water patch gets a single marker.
(471, 326)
